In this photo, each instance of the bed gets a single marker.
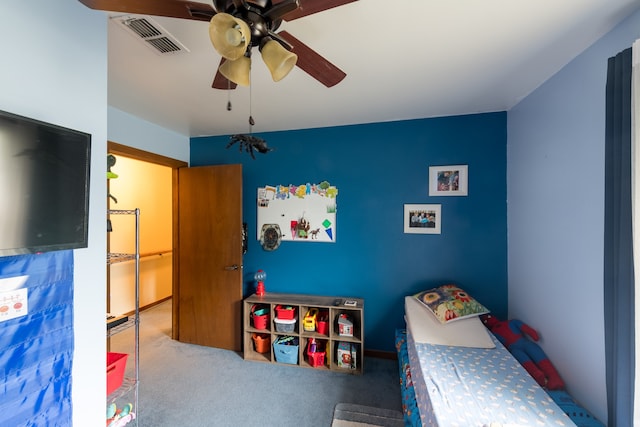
(460, 375)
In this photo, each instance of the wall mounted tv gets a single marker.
(44, 186)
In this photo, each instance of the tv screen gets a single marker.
(44, 186)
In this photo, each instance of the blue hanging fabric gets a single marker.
(36, 349)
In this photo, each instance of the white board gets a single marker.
(304, 213)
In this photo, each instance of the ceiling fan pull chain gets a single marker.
(251, 121)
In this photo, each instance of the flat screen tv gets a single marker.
(44, 186)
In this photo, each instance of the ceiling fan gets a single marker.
(237, 26)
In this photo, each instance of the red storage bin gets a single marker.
(322, 325)
(260, 316)
(285, 312)
(315, 352)
(116, 362)
(316, 359)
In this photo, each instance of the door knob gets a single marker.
(232, 267)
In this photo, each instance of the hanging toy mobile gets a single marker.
(260, 277)
(249, 142)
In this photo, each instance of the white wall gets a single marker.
(131, 131)
(54, 69)
(555, 191)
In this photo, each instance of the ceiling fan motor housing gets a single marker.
(262, 17)
(260, 27)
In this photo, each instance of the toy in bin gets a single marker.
(347, 355)
(117, 417)
(345, 325)
(309, 321)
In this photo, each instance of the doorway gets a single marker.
(119, 151)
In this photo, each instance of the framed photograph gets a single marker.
(448, 180)
(422, 219)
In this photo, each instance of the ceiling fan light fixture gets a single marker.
(229, 35)
(238, 71)
(278, 60)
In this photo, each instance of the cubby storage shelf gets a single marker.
(329, 339)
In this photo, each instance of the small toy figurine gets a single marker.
(511, 334)
(119, 417)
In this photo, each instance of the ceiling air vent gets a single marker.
(153, 35)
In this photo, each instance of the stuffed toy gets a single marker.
(511, 334)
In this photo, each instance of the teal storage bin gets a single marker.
(285, 350)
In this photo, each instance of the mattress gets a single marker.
(469, 386)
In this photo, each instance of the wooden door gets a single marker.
(209, 259)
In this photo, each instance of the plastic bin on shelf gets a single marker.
(285, 349)
(285, 312)
(316, 359)
(315, 352)
(261, 342)
(322, 324)
(260, 316)
(285, 325)
(116, 362)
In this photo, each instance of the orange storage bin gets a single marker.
(116, 362)
(261, 342)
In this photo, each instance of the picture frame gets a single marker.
(451, 180)
(422, 219)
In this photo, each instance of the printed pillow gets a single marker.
(449, 303)
(425, 328)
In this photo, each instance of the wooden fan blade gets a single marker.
(220, 81)
(312, 63)
(309, 7)
(170, 8)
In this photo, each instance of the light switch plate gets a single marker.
(14, 304)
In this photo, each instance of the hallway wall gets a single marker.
(145, 186)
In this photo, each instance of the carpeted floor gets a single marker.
(350, 415)
(192, 386)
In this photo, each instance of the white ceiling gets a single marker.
(404, 59)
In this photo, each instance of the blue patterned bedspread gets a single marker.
(467, 387)
(409, 405)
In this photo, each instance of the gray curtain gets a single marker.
(618, 244)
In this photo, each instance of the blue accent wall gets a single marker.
(378, 168)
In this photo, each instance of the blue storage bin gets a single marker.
(285, 350)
